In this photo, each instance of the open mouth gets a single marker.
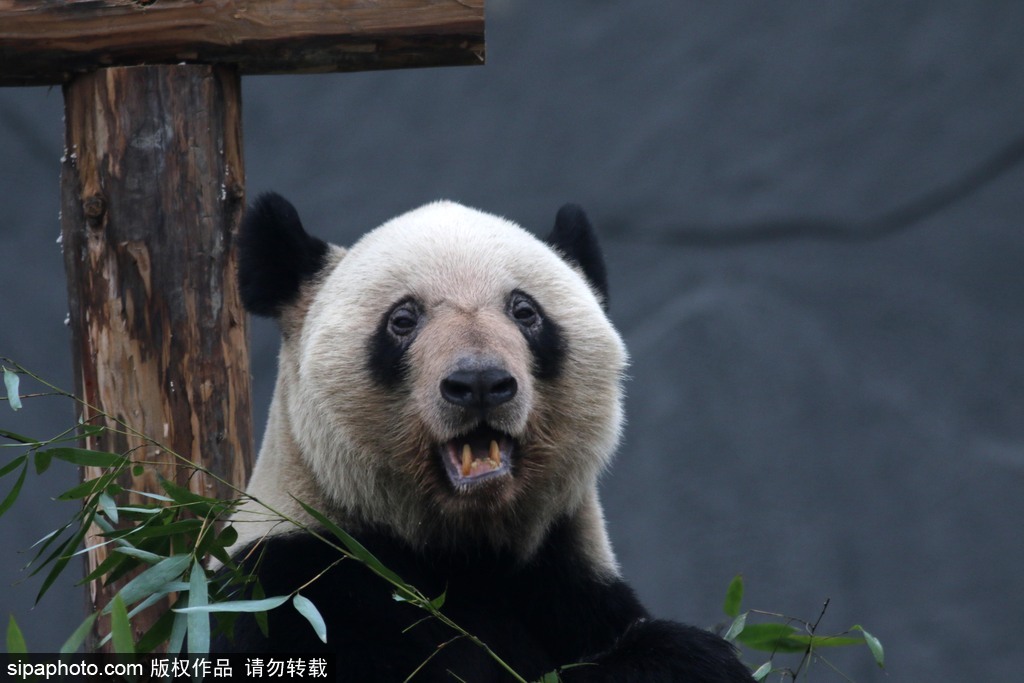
(478, 456)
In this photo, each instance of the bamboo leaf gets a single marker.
(157, 530)
(734, 597)
(198, 622)
(120, 627)
(13, 495)
(874, 644)
(15, 639)
(762, 671)
(772, 638)
(147, 494)
(42, 461)
(157, 634)
(11, 381)
(145, 556)
(178, 628)
(87, 458)
(358, 551)
(17, 437)
(88, 487)
(736, 627)
(108, 506)
(805, 640)
(12, 465)
(261, 617)
(306, 608)
(76, 639)
(154, 578)
(237, 605)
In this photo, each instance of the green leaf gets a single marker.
(42, 461)
(199, 505)
(88, 431)
(17, 437)
(804, 640)
(145, 556)
(874, 644)
(551, 677)
(158, 530)
(13, 495)
(15, 640)
(108, 506)
(63, 556)
(237, 605)
(157, 634)
(736, 627)
(772, 638)
(438, 602)
(12, 465)
(734, 597)
(76, 639)
(87, 458)
(154, 578)
(198, 622)
(306, 608)
(178, 628)
(762, 671)
(105, 568)
(358, 551)
(147, 494)
(261, 617)
(11, 380)
(89, 487)
(120, 627)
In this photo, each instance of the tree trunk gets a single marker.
(152, 195)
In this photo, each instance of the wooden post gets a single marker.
(152, 197)
(153, 189)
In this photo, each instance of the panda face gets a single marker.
(455, 376)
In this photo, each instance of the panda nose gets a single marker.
(486, 388)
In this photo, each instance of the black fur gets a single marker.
(276, 255)
(574, 238)
(386, 355)
(548, 349)
(547, 613)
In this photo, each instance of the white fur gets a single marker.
(345, 445)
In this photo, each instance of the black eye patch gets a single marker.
(387, 346)
(542, 334)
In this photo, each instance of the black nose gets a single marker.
(485, 388)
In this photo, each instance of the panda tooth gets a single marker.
(467, 459)
(495, 454)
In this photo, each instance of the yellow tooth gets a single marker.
(495, 454)
(467, 459)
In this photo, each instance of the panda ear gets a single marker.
(576, 242)
(276, 255)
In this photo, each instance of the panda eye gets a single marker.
(523, 310)
(404, 319)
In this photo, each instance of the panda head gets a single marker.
(449, 378)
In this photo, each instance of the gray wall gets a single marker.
(812, 215)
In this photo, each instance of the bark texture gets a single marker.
(44, 42)
(153, 192)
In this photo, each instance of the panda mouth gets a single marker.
(481, 455)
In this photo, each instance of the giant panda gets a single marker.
(449, 389)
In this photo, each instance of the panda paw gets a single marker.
(655, 651)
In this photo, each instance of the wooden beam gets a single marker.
(46, 42)
(153, 193)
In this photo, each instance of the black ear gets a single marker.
(275, 255)
(575, 240)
